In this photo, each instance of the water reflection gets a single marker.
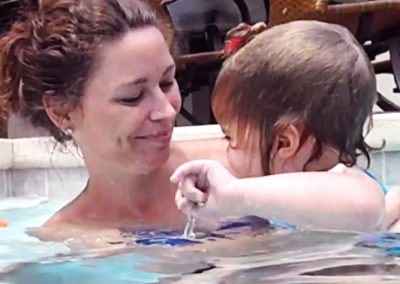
(280, 256)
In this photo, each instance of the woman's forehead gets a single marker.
(142, 53)
(137, 45)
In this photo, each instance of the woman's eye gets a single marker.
(166, 86)
(130, 100)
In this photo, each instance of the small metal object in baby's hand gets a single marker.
(189, 228)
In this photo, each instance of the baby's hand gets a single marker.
(204, 189)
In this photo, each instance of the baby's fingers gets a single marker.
(191, 192)
(182, 172)
(187, 169)
(182, 203)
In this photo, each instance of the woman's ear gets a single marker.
(58, 111)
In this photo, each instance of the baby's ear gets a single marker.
(287, 142)
(284, 152)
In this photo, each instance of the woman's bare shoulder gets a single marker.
(79, 238)
(72, 212)
(61, 217)
(214, 149)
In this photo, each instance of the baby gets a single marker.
(292, 103)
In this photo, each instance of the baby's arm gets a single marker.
(318, 199)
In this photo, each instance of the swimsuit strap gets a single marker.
(368, 174)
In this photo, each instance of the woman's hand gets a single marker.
(205, 189)
(392, 216)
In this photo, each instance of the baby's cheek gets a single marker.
(242, 164)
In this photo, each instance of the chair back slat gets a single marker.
(283, 11)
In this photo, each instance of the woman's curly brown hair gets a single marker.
(51, 50)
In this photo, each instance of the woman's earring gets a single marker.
(68, 132)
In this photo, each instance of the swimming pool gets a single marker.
(275, 256)
(38, 179)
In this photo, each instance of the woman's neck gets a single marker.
(146, 199)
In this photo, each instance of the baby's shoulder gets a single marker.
(356, 170)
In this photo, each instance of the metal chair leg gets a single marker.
(394, 50)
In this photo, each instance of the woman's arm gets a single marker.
(392, 216)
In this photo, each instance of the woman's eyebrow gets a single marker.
(169, 68)
(144, 80)
(138, 81)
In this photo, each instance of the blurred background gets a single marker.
(199, 28)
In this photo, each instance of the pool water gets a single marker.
(113, 269)
(269, 256)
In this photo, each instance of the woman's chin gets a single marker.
(154, 161)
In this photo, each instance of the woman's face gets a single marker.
(130, 103)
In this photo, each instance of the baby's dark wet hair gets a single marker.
(307, 73)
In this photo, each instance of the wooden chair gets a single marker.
(373, 21)
(282, 11)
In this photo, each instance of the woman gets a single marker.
(100, 72)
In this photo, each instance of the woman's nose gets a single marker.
(163, 108)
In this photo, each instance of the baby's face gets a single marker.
(288, 155)
(244, 160)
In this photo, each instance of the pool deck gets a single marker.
(39, 167)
